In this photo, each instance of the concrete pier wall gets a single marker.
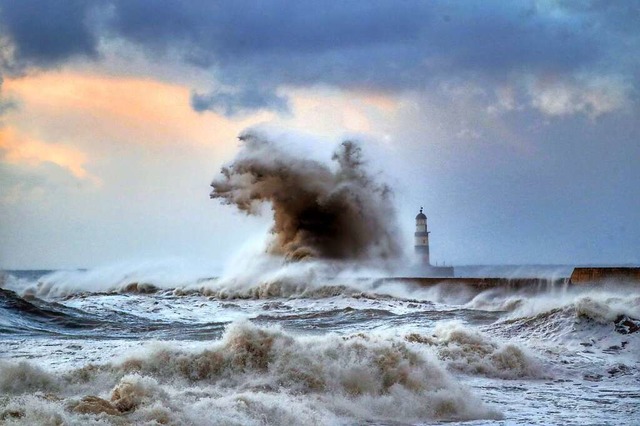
(484, 283)
(596, 275)
(580, 276)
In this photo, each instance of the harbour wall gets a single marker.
(595, 275)
(579, 277)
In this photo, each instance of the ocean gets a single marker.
(120, 345)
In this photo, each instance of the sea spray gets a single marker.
(606, 308)
(339, 213)
(121, 277)
(23, 377)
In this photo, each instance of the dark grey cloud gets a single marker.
(242, 28)
(46, 33)
(256, 47)
(236, 103)
(393, 44)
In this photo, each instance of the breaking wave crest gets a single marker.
(573, 316)
(252, 376)
(597, 302)
(262, 277)
(471, 352)
(608, 308)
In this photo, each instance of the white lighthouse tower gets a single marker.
(422, 239)
(423, 267)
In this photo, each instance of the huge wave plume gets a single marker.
(334, 213)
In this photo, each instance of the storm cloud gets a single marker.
(47, 33)
(230, 103)
(254, 48)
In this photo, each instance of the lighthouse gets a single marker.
(423, 266)
(422, 239)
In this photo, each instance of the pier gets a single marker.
(580, 276)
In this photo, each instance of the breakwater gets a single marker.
(540, 284)
(580, 276)
(606, 274)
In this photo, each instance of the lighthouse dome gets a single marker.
(421, 215)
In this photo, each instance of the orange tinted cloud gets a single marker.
(17, 148)
(92, 108)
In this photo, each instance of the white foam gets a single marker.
(126, 276)
(469, 351)
(262, 375)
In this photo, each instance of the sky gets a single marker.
(515, 124)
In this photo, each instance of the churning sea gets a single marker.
(145, 346)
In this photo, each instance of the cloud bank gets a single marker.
(252, 48)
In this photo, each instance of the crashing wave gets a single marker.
(471, 352)
(584, 318)
(253, 375)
